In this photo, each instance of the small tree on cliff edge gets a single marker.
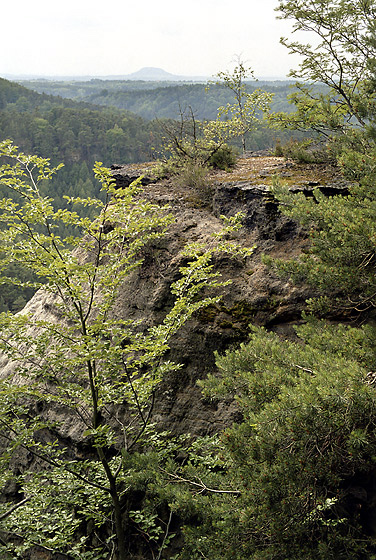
(245, 114)
(191, 143)
(83, 361)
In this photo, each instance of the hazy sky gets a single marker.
(88, 37)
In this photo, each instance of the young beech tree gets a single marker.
(246, 112)
(81, 361)
(204, 143)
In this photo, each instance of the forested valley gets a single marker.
(152, 100)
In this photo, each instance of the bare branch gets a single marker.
(201, 485)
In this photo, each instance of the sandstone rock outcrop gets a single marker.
(255, 296)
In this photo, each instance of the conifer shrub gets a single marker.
(304, 151)
(302, 459)
(224, 158)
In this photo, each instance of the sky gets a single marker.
(118, 37)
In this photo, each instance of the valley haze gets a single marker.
(147, 73)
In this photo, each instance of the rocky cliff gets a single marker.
(254, 296)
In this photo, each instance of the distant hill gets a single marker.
(150, 73)
(146, 74)
(152, 93)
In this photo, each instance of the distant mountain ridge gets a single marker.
(148, 73)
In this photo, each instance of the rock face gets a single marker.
(255, 295)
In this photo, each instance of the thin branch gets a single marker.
(53, 462)
(14, 508)
(146, 421)
(165, 537)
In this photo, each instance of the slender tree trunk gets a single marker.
(243, 143)
(119, 527)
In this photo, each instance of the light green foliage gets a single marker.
(340, 260)
(82, 360)
(202, 142)
(340, 37)
(246, 112)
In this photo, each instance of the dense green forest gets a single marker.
(158, 100)
(75, 134)
(71, 131)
